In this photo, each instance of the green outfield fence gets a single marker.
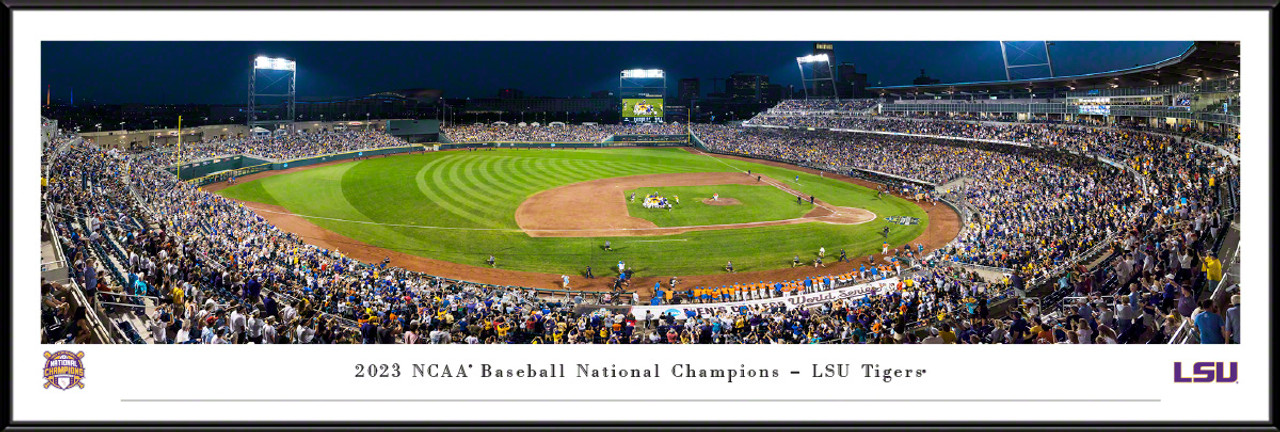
(611, 141)
(204, 177)
(518, 144)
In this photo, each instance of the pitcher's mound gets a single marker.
(721, 202)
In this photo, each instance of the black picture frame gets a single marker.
(913, 5)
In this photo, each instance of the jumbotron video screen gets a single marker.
(643, 107)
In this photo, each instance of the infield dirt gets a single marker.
(598, 208)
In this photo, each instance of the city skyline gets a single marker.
(209, 72)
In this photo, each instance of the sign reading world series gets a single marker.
(903, 220)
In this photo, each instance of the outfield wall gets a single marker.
(518, 144)
(679, 140)
(216, 175)
(204, 167)
(611, 141)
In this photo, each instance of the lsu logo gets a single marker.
(1203, 372)
(63, 369)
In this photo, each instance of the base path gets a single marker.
(598, 208)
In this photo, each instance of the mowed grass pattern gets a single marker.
(758, 203)
(460, 207)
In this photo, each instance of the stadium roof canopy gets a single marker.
(1204, 60)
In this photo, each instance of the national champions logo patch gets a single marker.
(63, 369)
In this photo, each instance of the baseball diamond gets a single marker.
(548, 210)
(1085, 209)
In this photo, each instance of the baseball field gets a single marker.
(551, 211)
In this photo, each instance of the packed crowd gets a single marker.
(826, 105)
(1034, 210)
(219, 273)
(1104, 141)
(841, 152)
(557, 133)
(276, 147)
(1225, 137)
(1052, 207)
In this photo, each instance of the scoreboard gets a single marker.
(642, 107)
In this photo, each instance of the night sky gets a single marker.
(217, 72)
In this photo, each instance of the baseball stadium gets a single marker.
(1099, 207)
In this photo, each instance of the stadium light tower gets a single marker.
(647, 84)
(819, 72)
(1024, 50)
(275, 69)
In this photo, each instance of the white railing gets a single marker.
(1185, 333)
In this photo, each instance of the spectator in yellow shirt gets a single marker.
(1212, 268)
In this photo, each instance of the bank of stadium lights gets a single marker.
(812, 58)
(263, 62)
(643, 73)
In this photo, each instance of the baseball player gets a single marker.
(822, 252)
(622, 266)
(799, 199)
(608, 246)
(810, 199)
(564, 281)
(817, 262)
(729, 266)
(795, 261)
(491, 261)
(589, 275)
(797, 179)
(843, 258)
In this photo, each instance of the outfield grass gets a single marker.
(460, 207)
(758, 203)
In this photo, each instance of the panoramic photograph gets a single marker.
(632, 192)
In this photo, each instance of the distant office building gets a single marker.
(747, 87)
(690, 89)
(774, 93)
(849, 83)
